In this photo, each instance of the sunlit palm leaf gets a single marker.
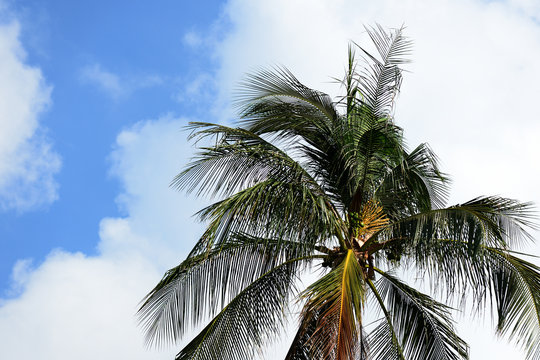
(340, 296)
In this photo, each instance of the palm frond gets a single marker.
(269, 190)
(414, 185)
(250, 321)
(380, 82)
(271, 208)
(423, 325)
(340, 296)
(516, 289)
(238, 160)
(484, 221)
(493, 276)
(204, 283)
(262, 93)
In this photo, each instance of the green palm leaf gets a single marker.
(493, 276)
(423, 326)
(204, 283)
(414, 185)
(484, 221)
(249, 321)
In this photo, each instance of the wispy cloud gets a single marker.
(28, 163)
(105, 80)
(199, 90)
(193, 39)
(114, 85)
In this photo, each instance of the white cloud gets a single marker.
(27, 162)
(81, 306)
(114, 85)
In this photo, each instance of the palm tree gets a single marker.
(310, 183)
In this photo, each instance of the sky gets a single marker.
(93, 99)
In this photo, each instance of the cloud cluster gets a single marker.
(78, 306)
(27, 161)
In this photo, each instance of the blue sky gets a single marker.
(73, 43)
(93, 96)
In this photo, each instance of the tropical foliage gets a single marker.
(309, 183)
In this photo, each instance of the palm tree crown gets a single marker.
(307, 182)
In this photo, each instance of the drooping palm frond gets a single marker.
(340, 296)
(516, 289)
(273, 195)
(250, 321)
(493, 276)
(484, 221)
(423, 326)
(239, 160)
(204, 283)
(383, 340)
